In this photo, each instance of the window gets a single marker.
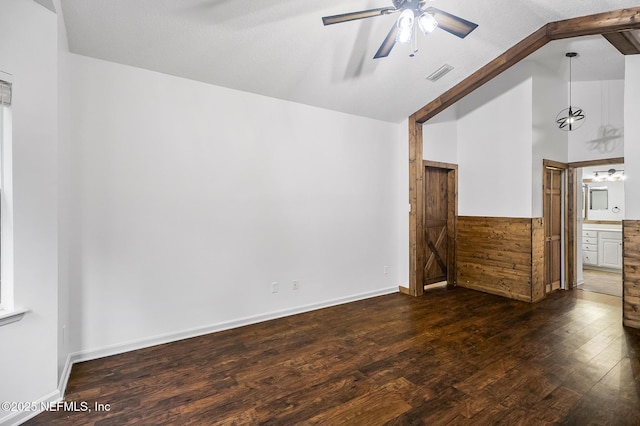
(6, 237)
(8, 312)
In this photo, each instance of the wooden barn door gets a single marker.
(436, 207)
(552, 206)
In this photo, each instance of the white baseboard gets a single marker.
(55, 396)
(20, 417)
(64, 376)
(603, 269)
(91, 354)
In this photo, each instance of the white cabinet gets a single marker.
(590, 255)
(602, 249)
(610, 250)
(590, 248)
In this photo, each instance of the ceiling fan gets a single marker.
(405, 30)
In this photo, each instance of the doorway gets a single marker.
(601, 210)
(440, 212)
(575, 204)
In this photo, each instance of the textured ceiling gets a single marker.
(280, 48)
(597, 59)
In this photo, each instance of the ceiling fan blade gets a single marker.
(452, 23)
(370, 13)
(387, 44)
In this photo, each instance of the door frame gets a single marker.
(452, 224)
(571, 244)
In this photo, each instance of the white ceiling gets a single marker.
(280, 48)
(597, 59)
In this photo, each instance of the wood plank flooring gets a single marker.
(453, 356)
(602, 282)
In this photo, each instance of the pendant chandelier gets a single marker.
(573, 117)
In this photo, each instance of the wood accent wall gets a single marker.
(631, 273)
(537, 260)
(502, 256)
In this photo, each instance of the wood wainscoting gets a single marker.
(631, 273)
(502, 256)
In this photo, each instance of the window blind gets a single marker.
(5, 93)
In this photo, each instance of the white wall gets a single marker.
(615, 195)
(401, 161)
(549, 142)
(494, 147)
(602, 134)
(29, 347)
(440, 137)
(194, 198)
(632, 137)
(493, 131)
(66, 215)
(499, 135)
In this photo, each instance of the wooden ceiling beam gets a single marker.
(601, 23)
(624, 41)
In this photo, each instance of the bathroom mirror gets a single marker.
(603, 198)
(599, 198)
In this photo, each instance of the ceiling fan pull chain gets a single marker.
(414, 42)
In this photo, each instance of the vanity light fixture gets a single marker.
(610, 175)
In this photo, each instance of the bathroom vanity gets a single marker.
(602, 246)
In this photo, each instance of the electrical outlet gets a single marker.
(296, 285)
(274, 287)
(385, 269)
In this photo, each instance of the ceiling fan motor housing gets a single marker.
(408, 4)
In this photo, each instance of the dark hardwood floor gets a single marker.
(454, 356)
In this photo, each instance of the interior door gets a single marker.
(436, 207)
(553, 228)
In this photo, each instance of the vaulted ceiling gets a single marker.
(280, 48)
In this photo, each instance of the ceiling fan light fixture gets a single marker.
(404, 35)
(405, 29)
(405, 26)
(405, 21)
(427, 23)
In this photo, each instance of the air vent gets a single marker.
(440, 72)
